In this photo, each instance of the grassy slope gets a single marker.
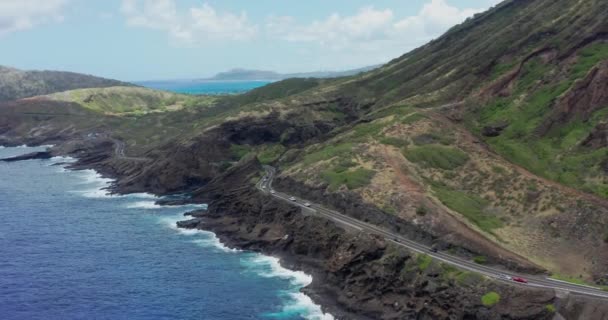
(402, 158)
(17, 84)
(522, 213)
(442, 162)
(457, 65)
(131, 100)
(557, 154)
(453, 66)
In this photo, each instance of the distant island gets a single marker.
(247, 74)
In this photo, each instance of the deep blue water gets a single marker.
(68, 251)
(204, 87)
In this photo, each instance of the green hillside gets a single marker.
(492, 137)
(18, 84)
(131, 100)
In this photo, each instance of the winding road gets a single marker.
(119, 150)
(265, 185)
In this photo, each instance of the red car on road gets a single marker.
(520, 280)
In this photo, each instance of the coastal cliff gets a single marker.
(356, 275)
(488, 143)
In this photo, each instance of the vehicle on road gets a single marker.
(307, 204)
(434, 250)
(263, 187)
(520, 280)
(272, 192)
(292, 199)
(505, 277)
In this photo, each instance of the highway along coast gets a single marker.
(265, 185)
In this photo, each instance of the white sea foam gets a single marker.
(206, 239)
(96, 192)
(61, 160)
(304, 305)
(270, 267)
(171, 222)
(24, 146)
(154, 205)
(148, 205)
(44, 146)
(299, 303)
(91, 176)
(141, 196)
(96, 183)
(214, 242)
(264, 266)
(98, 188)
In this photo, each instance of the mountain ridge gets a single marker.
(487, 143)
(251, 74)
(18, 84)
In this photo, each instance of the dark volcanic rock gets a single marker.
(29, 156)
(358, 276)
(355, 275)
(604, 166)
(584, 98)
(598, 138)
(273, 129)
(353, 205)
(189, 224)
(577, 307)
(494, 131)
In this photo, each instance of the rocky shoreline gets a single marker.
(355, 275)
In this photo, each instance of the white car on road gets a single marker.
(292, 199)
(505, 277)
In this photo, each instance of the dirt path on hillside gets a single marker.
(523, 171)
(445, 223)
(395, 161)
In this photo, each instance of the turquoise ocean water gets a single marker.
(204, 87)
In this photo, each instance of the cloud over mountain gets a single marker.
(194, 25)
(18, 15)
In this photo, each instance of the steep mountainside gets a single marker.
(527, 79)
(529, 76)
(17, 84)
(483, 48)
(489, 143)
(419, 137)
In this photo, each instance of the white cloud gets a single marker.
(435, 17)
(370, 35)
(17, 15)
(372, 27)
(367, 24)
(194, 25)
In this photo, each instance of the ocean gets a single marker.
(70, 251)
(204, 87)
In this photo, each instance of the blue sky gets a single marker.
(169, 39)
